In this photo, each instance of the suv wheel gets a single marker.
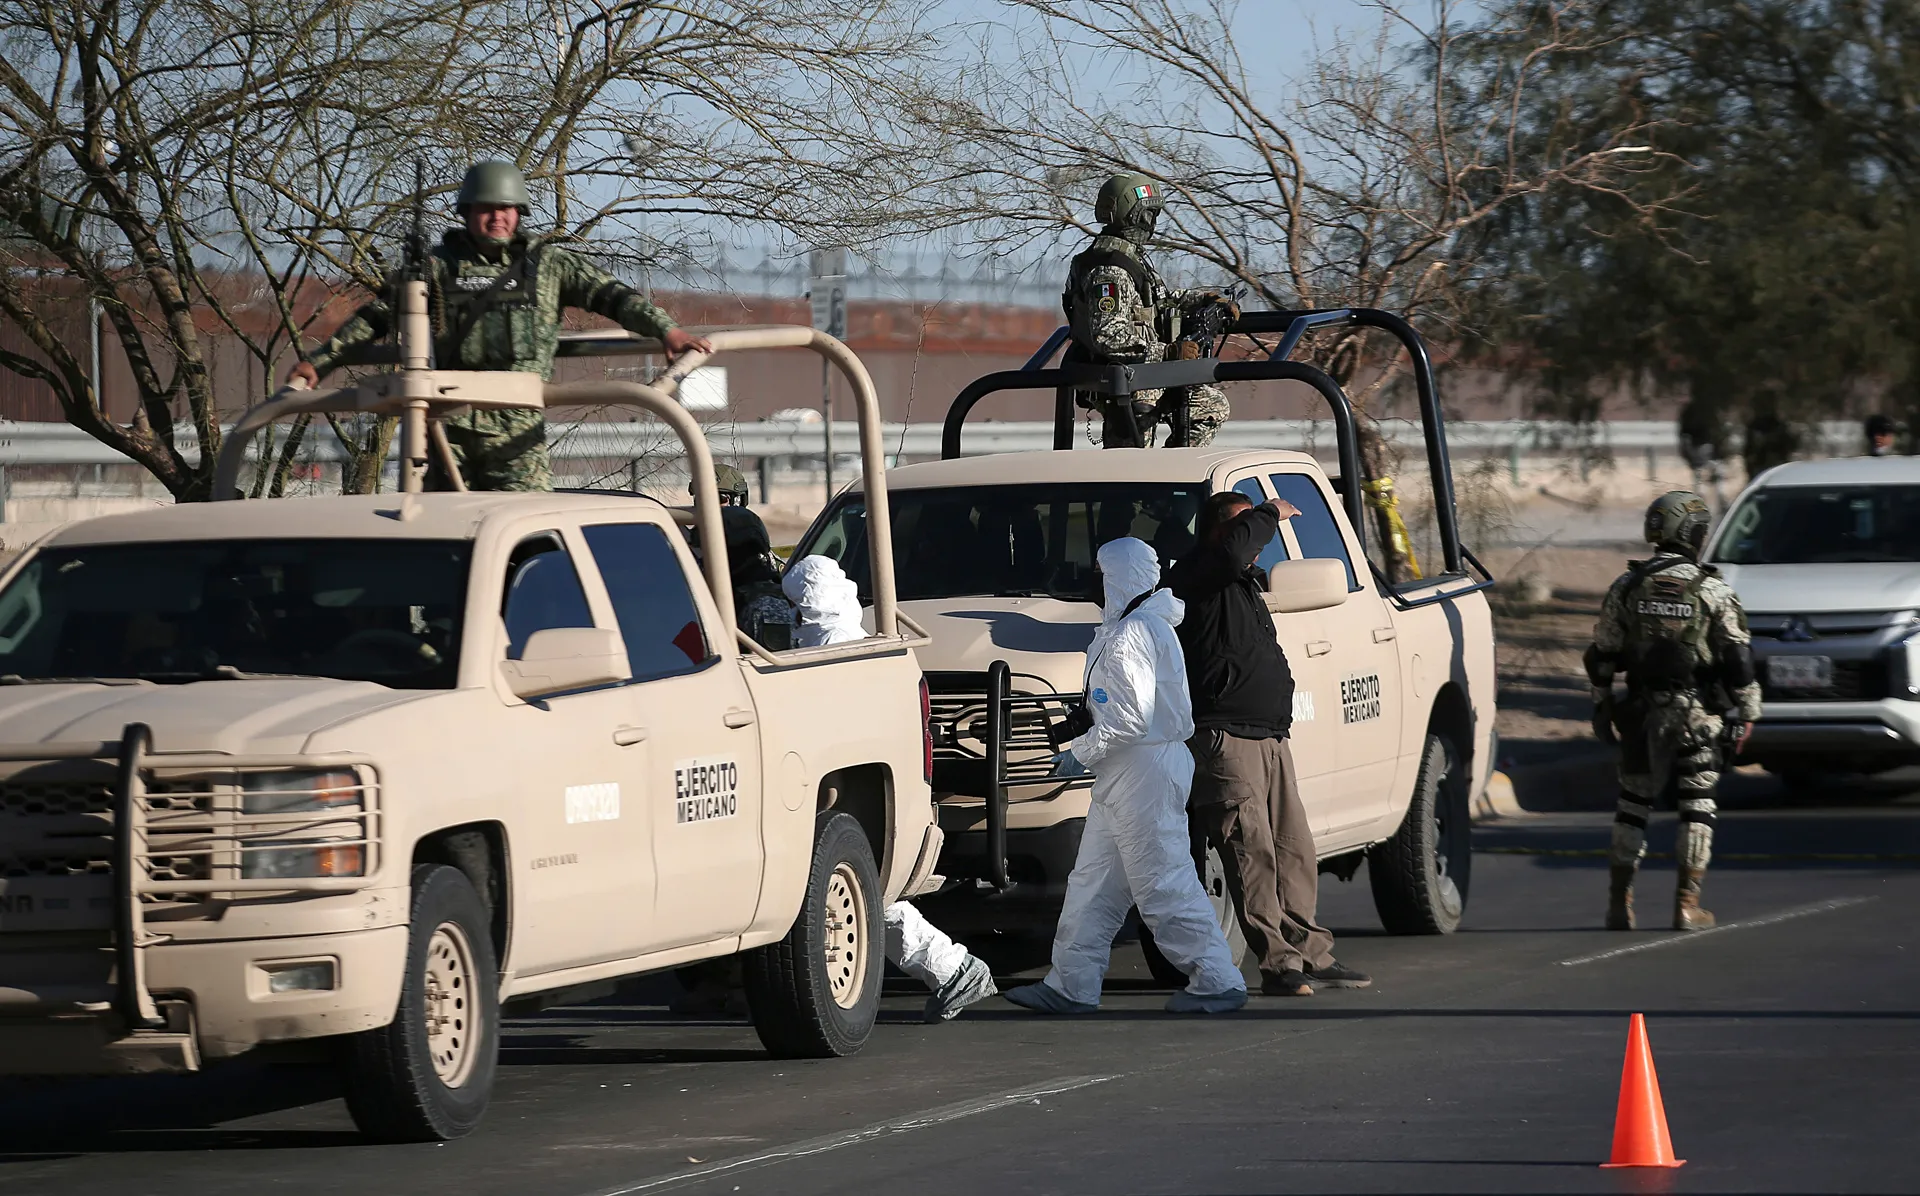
(815, 994)
(1213, 876)
(1420, 875)
(426, 1076)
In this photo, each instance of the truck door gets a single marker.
(583, 865)
(1307, 644)
(1363, 668)
(703, 743)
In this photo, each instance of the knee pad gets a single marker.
(1699, 811)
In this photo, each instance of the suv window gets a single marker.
(1275, 549)
(543, 591)
(650, 599)
(1319, 535)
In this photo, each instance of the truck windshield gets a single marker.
(363, 610)
(1823, 525)
(973, 541)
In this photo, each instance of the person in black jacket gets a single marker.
(1246, 798)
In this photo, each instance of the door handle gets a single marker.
(1319, 647)
(737, 718)
(628, 736)
(1382, 634)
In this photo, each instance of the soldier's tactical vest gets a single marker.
(1112, 251)
(467, 297)
(1667, 646)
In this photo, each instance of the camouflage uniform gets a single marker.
(1679, 632)
(1114, 321)
(500, 310)
(760, 606)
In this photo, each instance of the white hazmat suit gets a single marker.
(1134, 850)
(827, 611)
(826, 603)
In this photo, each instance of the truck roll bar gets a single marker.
(1293, 326)
(1126, 379)
(420, 395)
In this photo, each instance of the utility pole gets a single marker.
(828, 293)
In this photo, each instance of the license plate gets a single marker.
(56, 903)
(1800, 672)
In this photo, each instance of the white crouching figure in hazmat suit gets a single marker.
(826, 607)
(1134, 850)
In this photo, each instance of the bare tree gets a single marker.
(213, 169)
(1374, 184)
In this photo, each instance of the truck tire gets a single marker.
(427, 1075)
(1420, 875)
(1213, 877)
(815, 993)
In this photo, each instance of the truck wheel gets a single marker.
(426, 1076)
(1420, 875)
(1214, 878)
(815, 994)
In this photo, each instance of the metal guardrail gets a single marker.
(61, 444)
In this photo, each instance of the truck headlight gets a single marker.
(318, 859)
(295, 792)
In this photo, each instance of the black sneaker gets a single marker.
(1339, 975)
(1289, 983)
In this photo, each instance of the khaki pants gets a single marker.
(1246, 802)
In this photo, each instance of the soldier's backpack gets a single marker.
(1667, 645)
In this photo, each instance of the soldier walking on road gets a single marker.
(495, 295)
(1120, 310)
(1676, 629)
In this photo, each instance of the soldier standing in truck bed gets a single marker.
(1120, 310)
(495, 294)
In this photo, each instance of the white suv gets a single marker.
(1825, 556)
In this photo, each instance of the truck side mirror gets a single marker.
(1314, 584)
(563, 658)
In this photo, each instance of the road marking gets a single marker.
(1738, 857)
(1804, 911)
(884, 1129)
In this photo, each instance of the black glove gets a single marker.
(1733, 734)
(1603, 718)
(1078, 722)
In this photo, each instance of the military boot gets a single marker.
(1687, 914)
(1620, 898)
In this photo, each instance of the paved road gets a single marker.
(1788, 1045)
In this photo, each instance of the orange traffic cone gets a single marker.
(1640, 1126)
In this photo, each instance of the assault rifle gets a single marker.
(1203, 323)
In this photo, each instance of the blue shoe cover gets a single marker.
(1045, 998)
(1187, 1002)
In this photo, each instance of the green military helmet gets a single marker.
(731, 483)
(1678, 520)
(1129, 201)
(494, 181)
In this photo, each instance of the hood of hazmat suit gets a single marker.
(1134, 850)
(826, 603)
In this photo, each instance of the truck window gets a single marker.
(542, 591)
(1276, 548)
(1314, 527)
(387, 611)
(1015, 541)
(650, 599)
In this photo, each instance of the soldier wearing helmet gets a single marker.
(495, 294)
(760, 605)
(1675, 629)
(1120, 310)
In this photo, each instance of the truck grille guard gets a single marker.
(1015, 751)
(170, 842)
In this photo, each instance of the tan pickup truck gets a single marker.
(367, 768)
(1394, 699)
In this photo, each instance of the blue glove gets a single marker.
(1067, 765)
